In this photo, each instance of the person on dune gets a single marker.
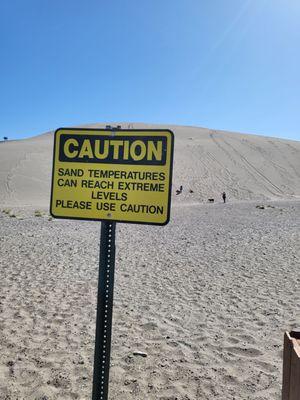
(224, 197)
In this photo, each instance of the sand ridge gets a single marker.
(205, 161)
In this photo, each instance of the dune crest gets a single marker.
(206, 163)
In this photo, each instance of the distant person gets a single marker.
(180, 190)
(224, 197)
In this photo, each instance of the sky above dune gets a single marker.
(231, 65)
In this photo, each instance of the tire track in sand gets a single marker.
(256, 170)
(11, 174)
(258, 176)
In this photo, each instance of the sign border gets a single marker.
(115, 130)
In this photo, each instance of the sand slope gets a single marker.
(207, 297)
(206, 161)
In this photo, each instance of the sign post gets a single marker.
(111, 175)
(104, 311)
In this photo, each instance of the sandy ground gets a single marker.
(207, 297)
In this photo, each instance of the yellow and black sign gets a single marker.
(116, 175)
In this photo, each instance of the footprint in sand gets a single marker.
(245, 352)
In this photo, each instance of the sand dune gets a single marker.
(206, 161)
(207, 297)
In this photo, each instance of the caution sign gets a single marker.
(116, 175)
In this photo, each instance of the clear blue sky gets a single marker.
(222, 64)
